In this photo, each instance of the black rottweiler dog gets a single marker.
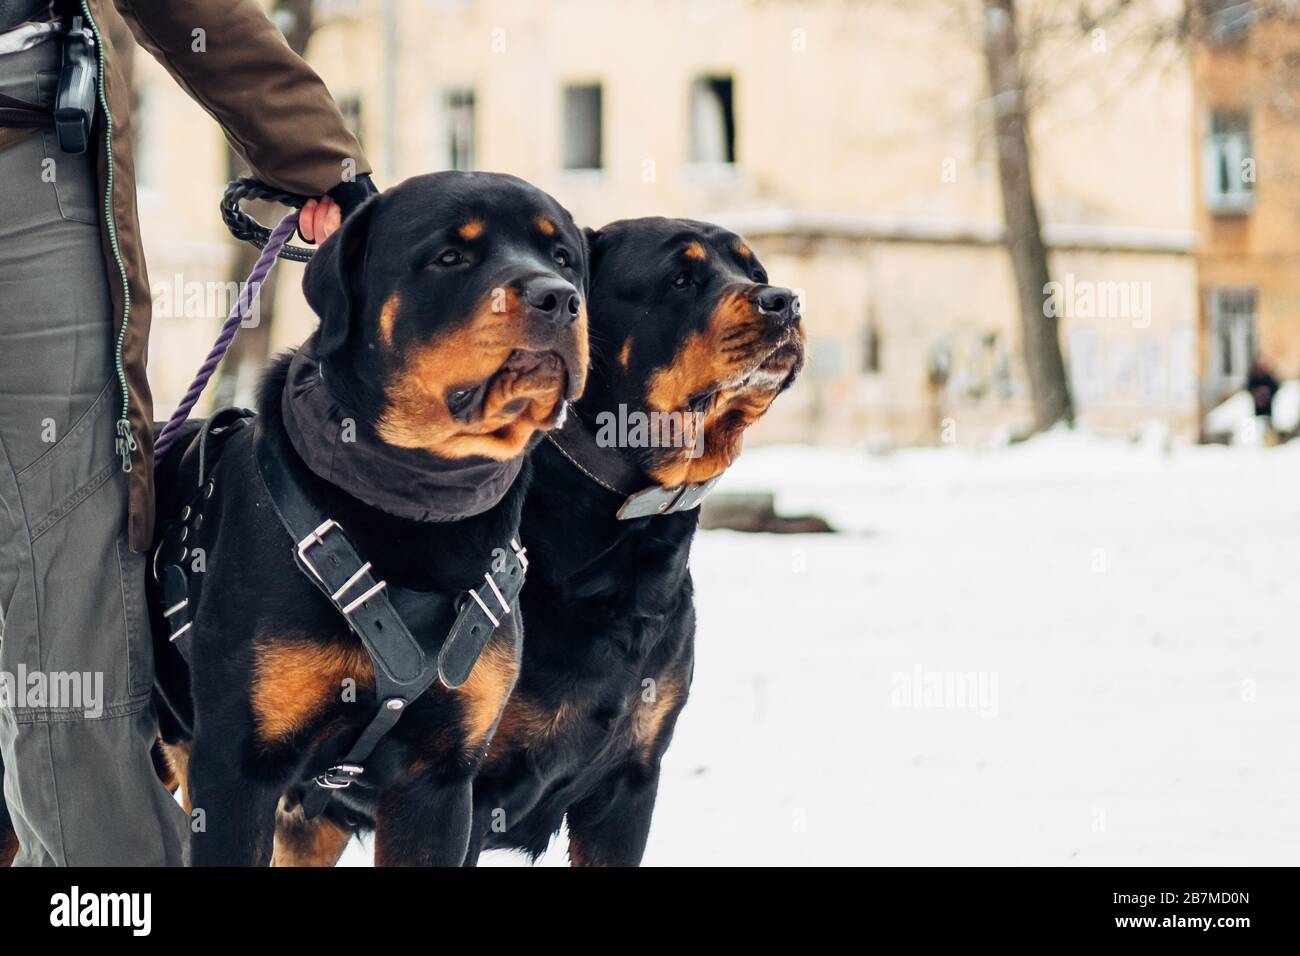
(684, 328)
(452, 335)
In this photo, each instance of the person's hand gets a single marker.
(319, 219)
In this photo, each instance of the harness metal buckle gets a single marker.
(340, 776)
(366, 596)
(313, 539)
(496, 592)
(485, 609)
(317, 537)
(153, 564)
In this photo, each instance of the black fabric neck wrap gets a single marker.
(406, 482)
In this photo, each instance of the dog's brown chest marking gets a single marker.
(528, 723)
(295, 679)
(484, 695)
(648, 715)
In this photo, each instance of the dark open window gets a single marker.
(582, 126)
(713, 120)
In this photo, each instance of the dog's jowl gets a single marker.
(336, 585)
(690, 346)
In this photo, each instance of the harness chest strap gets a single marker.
(175, 546)
(479, 615)
(455, 626)
(607, 468)
(403, 671)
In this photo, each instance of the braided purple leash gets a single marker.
(252, 286)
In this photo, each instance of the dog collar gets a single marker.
(607, 468)
(405, 482)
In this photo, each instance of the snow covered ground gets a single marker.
(1067, 652)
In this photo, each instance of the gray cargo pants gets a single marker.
(78, 779)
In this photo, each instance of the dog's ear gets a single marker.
(332, 280)
(591, 240)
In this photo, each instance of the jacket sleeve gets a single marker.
(274, 109)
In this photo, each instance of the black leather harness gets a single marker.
(613, 472)
(414, 638)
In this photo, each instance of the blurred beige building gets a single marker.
(851, 142)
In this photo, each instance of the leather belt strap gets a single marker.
(11, 137)
(20, 114)
(613, 472)
(20, 119)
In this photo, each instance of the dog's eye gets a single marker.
(759, 276)
(562, 258)
(450, 257)
(681, 280)
(459, 399)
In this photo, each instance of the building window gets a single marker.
(1232, 336)
(457, 130)
(713, 120)
(582, 126)
(350, 107)
(1229, 165)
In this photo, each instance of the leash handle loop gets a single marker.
(247, 229)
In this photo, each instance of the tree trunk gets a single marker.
(248, 353)
(1042, 347)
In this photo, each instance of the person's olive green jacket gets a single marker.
(277, 114)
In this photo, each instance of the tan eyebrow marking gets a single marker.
(626, 355)
(547, 227)
(387, 318)
(471, 230)
(695, 251)
(743, 249)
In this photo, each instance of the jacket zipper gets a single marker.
(126, 443)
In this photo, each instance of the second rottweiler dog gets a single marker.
(453, 332)
(690, 345)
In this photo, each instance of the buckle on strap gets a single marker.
(505, 605)
(654, 500)
(521, 555)
(317, 537)
(340, 776)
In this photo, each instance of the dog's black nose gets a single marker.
(552, 298)
(779, 305)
